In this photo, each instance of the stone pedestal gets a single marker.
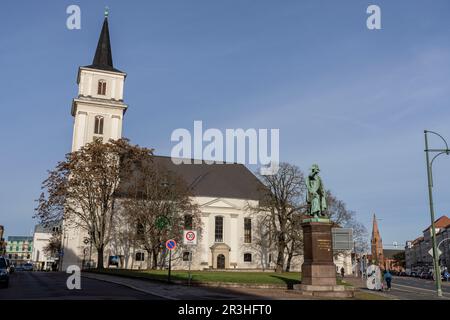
(318, 269)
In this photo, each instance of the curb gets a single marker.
(129, 286)
(204, 284)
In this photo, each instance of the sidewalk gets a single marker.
(360, 285)
(183, 292)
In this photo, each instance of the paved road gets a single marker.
(417, 289)
(52, 285)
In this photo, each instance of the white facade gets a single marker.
(41, 239)
(91, 104)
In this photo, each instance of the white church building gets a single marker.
(222, 191)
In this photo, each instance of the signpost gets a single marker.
(342, 238)
(170, 245)
(190, 239)
(439, 252)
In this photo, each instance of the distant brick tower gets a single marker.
(377, 244)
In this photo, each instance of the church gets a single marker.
(223, 192)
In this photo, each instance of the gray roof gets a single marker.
(19, 238)
(229, 180)
(103, 54)
(41, 228)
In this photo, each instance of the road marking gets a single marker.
(130, 286)
(420, 289)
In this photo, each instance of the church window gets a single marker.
(140, 256)
(186, 255)
(140, 229)
(98, 127)
(219, 229)
(247, 257)
(247, 230)
(101, 90)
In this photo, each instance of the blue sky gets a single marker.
(353, 100)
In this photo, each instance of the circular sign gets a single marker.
(171, 244)
(162, 222)
(190, 236)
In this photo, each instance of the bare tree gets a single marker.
(160, 205)
(53, 247)
(82, 188)
(345, 218)
(283, 197)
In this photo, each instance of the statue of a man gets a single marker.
(316, 194)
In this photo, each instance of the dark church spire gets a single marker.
(103, 54)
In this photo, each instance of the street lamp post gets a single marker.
(430, 195)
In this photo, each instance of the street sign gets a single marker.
(190, 237)
(439, 252)
(162, 222)
(171, 244)
(342, 238)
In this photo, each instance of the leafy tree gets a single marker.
(82, 189)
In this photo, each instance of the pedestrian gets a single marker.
(388, 279)
(342, 272)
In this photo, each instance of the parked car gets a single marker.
(19, 268)
(413, 274)
(11, 267)
(28, 267)
(4, 273)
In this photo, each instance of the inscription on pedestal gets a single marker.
(324, 244)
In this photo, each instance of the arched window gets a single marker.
(101, 89)
(98, 128)
(247, 230)
(219, 229)
(247, 257)
(140, 256)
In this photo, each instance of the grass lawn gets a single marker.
(270, 278)
(285, 278)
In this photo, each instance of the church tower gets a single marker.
(99, 108)
(376, 244)
(98, 111)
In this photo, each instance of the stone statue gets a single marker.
(316, 194)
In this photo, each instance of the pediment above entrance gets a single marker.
(220, 246)
(220, 203)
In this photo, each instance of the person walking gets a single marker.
(388, 279)
(342, 272)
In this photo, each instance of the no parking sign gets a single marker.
(190, 237)
(171, 244)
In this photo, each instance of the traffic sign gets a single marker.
(171, 244)
(190, 237)
(439, 252)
